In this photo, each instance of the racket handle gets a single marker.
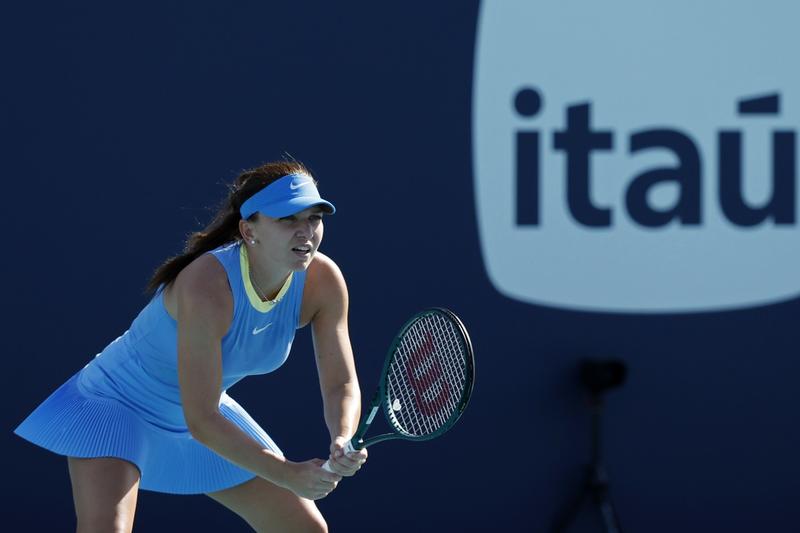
(348, 448)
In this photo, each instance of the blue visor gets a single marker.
(286, 196)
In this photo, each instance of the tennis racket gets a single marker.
(426, 381)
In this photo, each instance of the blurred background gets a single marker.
(473, 151)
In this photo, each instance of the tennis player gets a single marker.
(151, 410)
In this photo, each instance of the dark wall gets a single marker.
(121, 124)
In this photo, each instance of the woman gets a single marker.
(151, 410)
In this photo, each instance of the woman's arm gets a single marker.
(204, 314)
(341, 394)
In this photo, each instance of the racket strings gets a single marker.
(427, 377)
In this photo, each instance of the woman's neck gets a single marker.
(266, 283)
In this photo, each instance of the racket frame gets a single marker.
(358, 442)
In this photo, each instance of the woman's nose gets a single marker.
(305, 229)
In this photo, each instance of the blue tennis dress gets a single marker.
(126, 402)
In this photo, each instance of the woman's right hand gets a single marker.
(309, 480)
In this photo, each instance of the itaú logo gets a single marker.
(639, 163)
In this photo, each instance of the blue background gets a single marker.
(122, 123)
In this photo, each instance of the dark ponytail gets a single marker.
(224, 228)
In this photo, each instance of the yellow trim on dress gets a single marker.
(252, 295)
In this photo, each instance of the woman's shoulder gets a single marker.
(202, 285)
(323, 271)
(325, 288)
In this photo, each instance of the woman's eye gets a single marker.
(316, 218)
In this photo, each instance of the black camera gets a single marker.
(599, 375)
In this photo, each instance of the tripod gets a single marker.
(597, 377)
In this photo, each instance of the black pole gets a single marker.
(597, 376)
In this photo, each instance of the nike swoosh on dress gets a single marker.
(256, 331)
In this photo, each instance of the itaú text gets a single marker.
(578, 141)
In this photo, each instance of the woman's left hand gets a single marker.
(343, 463)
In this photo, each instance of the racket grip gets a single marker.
(348, 448)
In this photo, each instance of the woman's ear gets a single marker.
(246, 231)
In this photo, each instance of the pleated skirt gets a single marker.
(75, 424)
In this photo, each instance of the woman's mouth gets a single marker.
(302, 251)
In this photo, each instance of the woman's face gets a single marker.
(289, 242)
